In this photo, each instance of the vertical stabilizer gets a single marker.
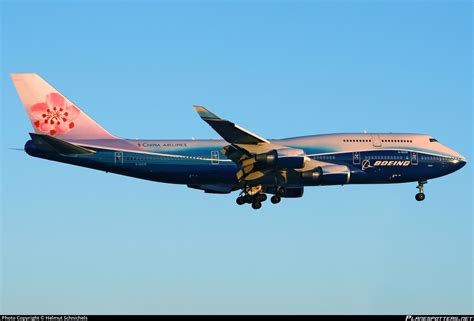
(53, 114)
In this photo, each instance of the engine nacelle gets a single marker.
(269, 159)
(335, 175)
(273, 159)
(313, 176)
(293, 162)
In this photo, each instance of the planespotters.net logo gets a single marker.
(439, 318)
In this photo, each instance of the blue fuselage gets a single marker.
(371, 158)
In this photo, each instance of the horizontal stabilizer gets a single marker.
(59, 146)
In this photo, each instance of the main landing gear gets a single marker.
(275, 199)
(255, 196)
(421, 195)
(256, 200)
(252, 195)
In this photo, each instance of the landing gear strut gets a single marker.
(277, 197)
(421, 195)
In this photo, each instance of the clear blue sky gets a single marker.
(81, 241)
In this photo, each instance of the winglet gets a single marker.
(204, 113)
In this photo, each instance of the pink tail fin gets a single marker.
(53, 114)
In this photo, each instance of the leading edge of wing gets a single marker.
(232, 133)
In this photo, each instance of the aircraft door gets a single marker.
(118, 158)
(414, 158)
(356, 158)
(215, 157)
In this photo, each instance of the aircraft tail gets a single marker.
(53, 114)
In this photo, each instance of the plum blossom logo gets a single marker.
(55, 115)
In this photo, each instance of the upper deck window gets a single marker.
(432, 140)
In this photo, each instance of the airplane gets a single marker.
(241, 161)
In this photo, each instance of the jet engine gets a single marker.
(280, 160)
(269, 159)
(327, 175)
(335, 175)
(313, 176)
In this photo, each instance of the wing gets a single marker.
(232, 133)
(250, 151)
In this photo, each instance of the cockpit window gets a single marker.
(433, 140)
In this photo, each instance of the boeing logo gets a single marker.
(392, 163)
(366, 163)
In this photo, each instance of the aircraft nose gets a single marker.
(458, 162)
(462, 160)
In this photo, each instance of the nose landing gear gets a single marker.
(421, 195)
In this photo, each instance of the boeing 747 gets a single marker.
(241, 161)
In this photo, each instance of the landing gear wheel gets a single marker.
(275, 199)
(240, 200)
(256, 205)
(419, 197)
(261, 197)
(248, 199)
